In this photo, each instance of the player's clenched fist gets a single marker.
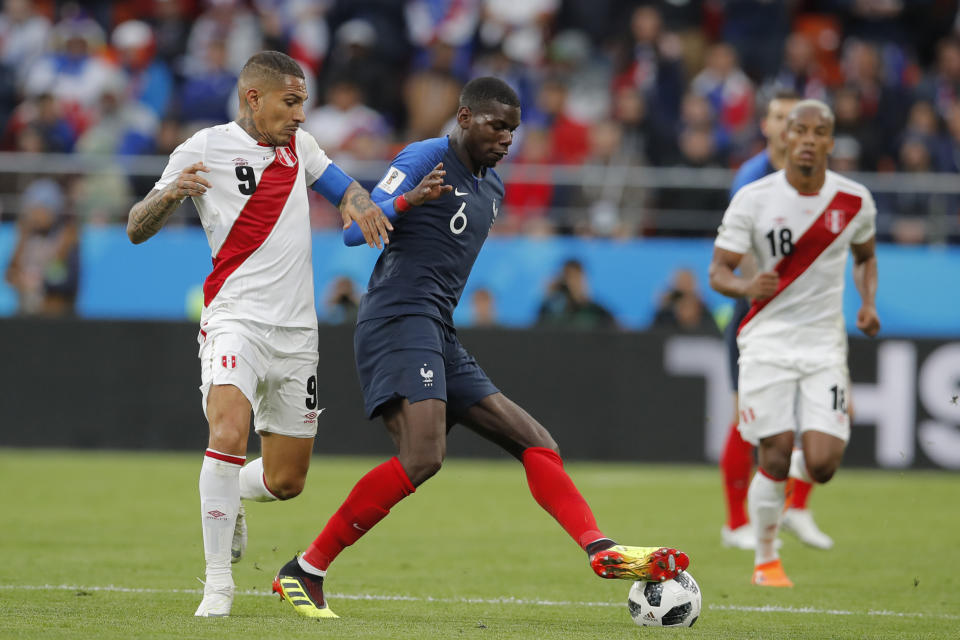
(868, 321)
(430, 188)
(189, 183)
(763, 285)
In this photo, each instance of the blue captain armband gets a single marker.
(332, 184)
(353, 236)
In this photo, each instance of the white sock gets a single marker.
(798, 466)
(765, 500)
(309, 568)
(252, 484)
(219, 503)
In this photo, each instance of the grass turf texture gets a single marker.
(470, 555)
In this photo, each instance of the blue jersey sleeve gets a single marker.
(332, 184)
(405, 172)
(753, 169)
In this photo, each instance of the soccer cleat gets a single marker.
(800, 523)
(743, 537)
(217, 599)
(239, 544)
(651, 564)
(771, 574)
(302, 590)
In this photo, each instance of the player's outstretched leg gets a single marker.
(367, 504)
(553, 490)
(303, 590)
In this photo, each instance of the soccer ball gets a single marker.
(673, 603)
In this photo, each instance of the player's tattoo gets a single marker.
(358, 198)
(245, 120)
(148, 216)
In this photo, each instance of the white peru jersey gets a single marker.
(805, 238)
(256, 217)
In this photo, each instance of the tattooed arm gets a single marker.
(149, 215)
(356, 206)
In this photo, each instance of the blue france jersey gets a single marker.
(432, 247)
(752, 170)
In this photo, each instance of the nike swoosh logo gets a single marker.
(457, 192)
(359, 528)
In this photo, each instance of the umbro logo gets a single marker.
(427, 375)
(311, 416)
(240, 162)
(457, 192)
(216, 514)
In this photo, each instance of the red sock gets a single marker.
(735, 465)
(553, 490)
(368, 503)
(801, 492)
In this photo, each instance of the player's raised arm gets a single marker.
(865, 278)
(149, 215)
(429, 188)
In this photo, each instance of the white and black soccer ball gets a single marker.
(673, 603)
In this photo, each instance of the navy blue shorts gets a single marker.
(740, 311)
(417, 358)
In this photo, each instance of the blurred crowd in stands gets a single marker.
(607, 83)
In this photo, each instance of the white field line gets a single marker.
(500, 600)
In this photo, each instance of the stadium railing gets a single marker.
(932, 197)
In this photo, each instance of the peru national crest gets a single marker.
(286, 157)
(835, 220)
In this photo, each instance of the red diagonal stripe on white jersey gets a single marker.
(808, 247)
(254, 224)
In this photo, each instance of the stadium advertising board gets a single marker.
(905, 398)
(663, 397)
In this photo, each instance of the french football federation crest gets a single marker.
(286, 157)
(427, 375)
(835, 220)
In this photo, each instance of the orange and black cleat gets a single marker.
(650, 564)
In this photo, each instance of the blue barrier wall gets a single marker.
(158, 279)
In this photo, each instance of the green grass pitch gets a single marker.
(107, 545)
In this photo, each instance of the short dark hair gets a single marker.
(479, 93)
(785, 94)
(271, 63)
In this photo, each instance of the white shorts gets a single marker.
(776, 399)
(274, 367)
